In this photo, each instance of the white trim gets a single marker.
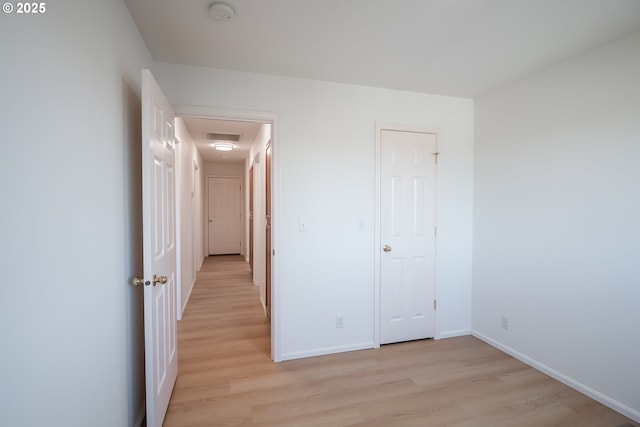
(376, 239)
(276, 352)
(380, 126)
(328, 350)
(273, 119)
(625, 410)
(224, 114)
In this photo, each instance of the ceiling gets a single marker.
(199, 128)
(463, 48)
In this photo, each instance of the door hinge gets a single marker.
(435, 304)
(435, 155)
(435, 231)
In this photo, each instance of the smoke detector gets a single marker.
(221, 11)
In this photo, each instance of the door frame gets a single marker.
(382, 126)
(274, 120)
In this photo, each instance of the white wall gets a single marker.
(324, 159)
(556, 222)
(224, 168)
(71, 325)
(189, 164)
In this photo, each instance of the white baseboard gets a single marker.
(327, 350)
(453, 334)
(594, 394)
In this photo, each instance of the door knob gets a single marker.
(387, 248)
(158, 279)
(138, 281)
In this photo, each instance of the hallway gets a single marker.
(222, 338)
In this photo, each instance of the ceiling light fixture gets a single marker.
(221, 11)
(223, 146)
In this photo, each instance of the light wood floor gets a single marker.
(226, 377)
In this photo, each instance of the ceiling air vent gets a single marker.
(223, 137)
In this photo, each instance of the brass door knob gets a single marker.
(158, 279)
(387, 248)
(137, 281)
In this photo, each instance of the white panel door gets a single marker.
(225, 204)
(159, 235)
(407, 232)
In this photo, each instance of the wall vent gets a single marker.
(223, 137)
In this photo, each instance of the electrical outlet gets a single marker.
(505, 323)
(339, 322)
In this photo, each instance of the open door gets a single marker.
(159, 249)
(267, 297)
(251, 221)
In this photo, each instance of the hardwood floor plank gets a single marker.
(226, 377)
(341, 417)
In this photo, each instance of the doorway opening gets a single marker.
(237, 179)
